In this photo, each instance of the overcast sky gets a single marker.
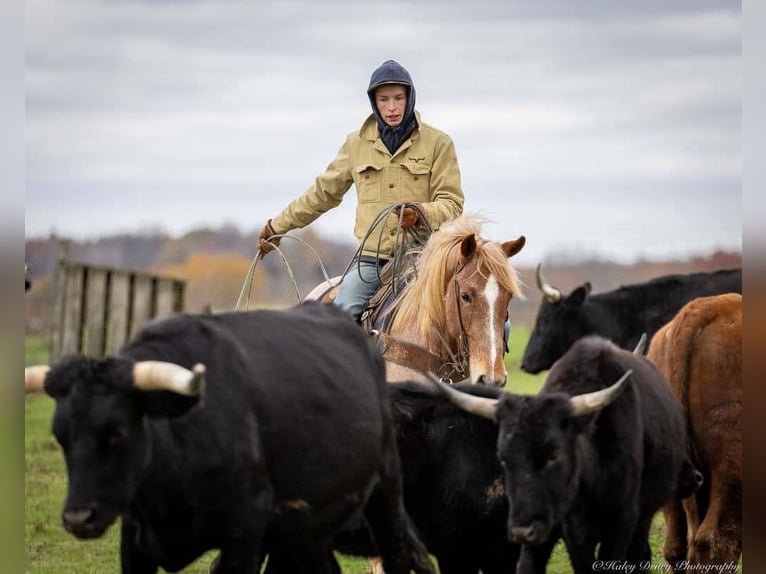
(607, 128)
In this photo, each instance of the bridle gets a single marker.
(411, 355)
(455, 367)
(458, 364)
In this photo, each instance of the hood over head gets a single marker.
(392, 72)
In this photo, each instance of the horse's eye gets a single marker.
(465, 297)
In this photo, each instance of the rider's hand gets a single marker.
(410, 217)
(263, 239)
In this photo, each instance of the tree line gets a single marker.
(215, 261)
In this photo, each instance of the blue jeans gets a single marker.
(359, 284)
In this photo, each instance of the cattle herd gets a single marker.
(272, 438)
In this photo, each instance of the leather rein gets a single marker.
(415, 357)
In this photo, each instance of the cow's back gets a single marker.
(324, 398)
(304, 383)
(700, 354)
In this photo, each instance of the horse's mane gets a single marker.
(421, 303)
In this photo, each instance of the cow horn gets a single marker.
(162, 376)
(597, 400)
(641, 345)
(551, 293)
(34, 377)
(479, 406)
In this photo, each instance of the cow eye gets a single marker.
(465, 297)
(553, 458)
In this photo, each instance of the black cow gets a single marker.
(621, 315)
(453, 483)
(292, 435)
(597, 460)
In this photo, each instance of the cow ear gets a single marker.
(167, 404)
(577, 297)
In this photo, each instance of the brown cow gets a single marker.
(700, 354)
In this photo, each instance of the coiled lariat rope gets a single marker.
(403, 241)
(247, 286)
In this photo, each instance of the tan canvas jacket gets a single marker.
(424, 170)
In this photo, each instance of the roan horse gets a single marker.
(451, 312)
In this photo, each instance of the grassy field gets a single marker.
(50, 550)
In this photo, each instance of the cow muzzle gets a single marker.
(84, 523)
(531, 534)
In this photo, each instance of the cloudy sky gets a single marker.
(596, 127)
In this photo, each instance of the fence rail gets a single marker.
(98, 309)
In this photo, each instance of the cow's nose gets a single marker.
(524, 534)
(482, 380)
(78, 518)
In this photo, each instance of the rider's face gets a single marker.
(391, 100)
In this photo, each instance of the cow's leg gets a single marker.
(458, 563)
(400, 549)
(617, 532)
(241, 548)
(534, 559)
(692, 507)
(580, 542)
(639, 551)
(675, 547)
(581, 556)
(719, 537)
(314, 558)
(133, 560)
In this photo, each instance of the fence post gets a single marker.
(97, 309)
(59, 282)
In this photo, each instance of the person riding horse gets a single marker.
(394, 161)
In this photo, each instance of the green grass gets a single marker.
(50, 550)
(519, 381)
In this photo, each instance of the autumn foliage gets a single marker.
(214, 280)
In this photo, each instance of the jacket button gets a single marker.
(416, 178)
(391, 186)
(366, 177)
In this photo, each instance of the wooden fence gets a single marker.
(98, 309)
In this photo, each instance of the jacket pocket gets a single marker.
(415, 181)
(369, 182)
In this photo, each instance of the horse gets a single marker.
(450, 314)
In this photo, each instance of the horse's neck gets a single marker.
(439, 343)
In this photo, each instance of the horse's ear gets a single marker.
(468, 246)
(511, 248)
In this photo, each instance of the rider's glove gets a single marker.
(410, 217)
(263, 239)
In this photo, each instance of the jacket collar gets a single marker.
(369, 130)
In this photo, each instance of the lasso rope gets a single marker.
(403, 240)
(247, 286)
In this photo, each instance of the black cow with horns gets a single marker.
(252, 433)
(453, 483)
(621, 316)
(596, 459)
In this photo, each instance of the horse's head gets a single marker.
(476, 305)
(460, 299)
